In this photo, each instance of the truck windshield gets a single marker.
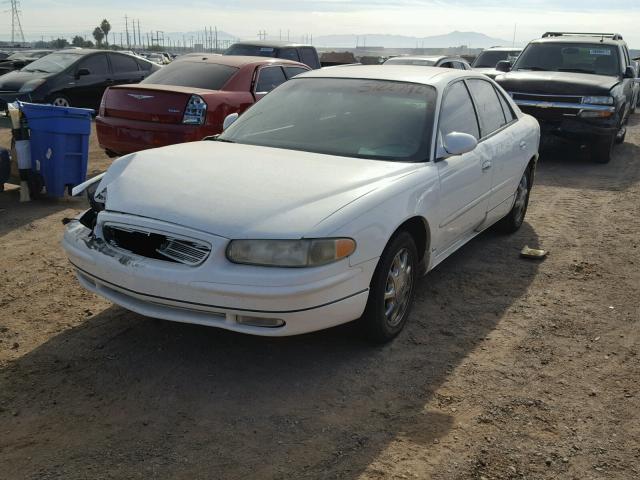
(375, 119)
(251, 50)
(490, 58)
(594, 58)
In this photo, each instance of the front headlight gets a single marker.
(598, 100)
(31, 85)
(290, 253)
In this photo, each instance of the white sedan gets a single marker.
(322, 204)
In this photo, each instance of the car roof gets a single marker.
(433, 58)
(234, 60)
(436, 76)
(272, 43)
(578, 39)
(503, 49)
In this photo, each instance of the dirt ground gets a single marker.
(508, 368)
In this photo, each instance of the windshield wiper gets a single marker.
(223, 140)
(577, 70)
(35, 70)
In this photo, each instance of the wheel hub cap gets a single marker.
(521, 197)
(398, 288)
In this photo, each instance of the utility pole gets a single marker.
(126, 26)
(139, 38)
(216, 32)
(16, 25)
(133, 27)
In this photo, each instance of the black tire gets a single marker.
(602, 149)
(59, 100)
(384, 316)
(512, 222)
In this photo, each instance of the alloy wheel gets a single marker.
(398, 288)
(521, 198)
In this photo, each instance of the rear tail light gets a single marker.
(103, 101)
(196, 111)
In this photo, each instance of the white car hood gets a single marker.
(242, 191)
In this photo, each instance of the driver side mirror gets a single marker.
(629, 72)
(456, 143)
(82, 72)
(229, 120)
(503, 66)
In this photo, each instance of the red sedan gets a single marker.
(186, 100)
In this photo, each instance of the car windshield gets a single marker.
(490, 58)
(410, 61)
(594, 58)
(374, 119)
(211, 76)
(52, 63)
(251, 50)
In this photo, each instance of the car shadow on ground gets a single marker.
(570, 165)
(135, 397)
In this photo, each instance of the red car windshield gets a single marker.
(185, 73)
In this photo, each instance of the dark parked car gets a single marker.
(430, 61)
(578, 85)
(296, 52)
(186, 100)
(486, 62)
(75, 78)
(18, 60)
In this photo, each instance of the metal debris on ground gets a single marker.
(536, 253)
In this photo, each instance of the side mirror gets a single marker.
(503, 66)
(229, 119)
(629, 72)
(82, 72)
(456, 143)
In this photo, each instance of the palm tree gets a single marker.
(105, 26)
(98, 34)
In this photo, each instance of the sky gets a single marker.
(244, 18)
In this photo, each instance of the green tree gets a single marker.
(60, 43)
(78, 41)
(98, 34)
(105, 26)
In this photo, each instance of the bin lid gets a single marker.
(37, 110)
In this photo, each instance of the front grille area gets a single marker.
(549, 114)
(156, 245)
(547, 98)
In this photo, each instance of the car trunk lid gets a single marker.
(150, 103)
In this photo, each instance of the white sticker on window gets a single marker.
(599, 51)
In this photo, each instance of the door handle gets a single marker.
(486, 165)
(523, 145)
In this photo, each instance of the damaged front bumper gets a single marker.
(256, 300)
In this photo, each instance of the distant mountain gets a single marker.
(453, 39)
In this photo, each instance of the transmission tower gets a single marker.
(16, 25)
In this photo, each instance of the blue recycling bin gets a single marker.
(59, 144)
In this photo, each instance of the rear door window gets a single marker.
(269, 78)
(123, 63)
(457, 113)
(509, 115)
(293, 71)
(96, 64)
(488, 105)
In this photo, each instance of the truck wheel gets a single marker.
(602, 149)
(391, 290)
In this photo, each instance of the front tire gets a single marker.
(602, 149)
(514, 219)
(392, 289)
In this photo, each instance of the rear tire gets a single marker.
(392, 290)
(602, 149)
(514, 219)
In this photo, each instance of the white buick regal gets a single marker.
(320, 205)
